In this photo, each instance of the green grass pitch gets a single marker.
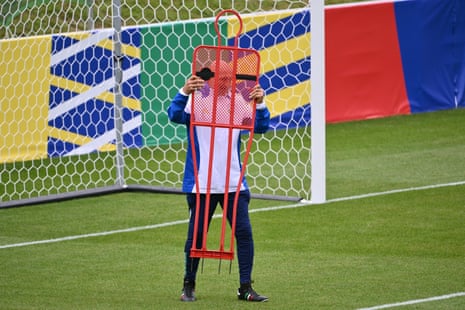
(351, 252)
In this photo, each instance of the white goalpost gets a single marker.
(85, 86)
(318, 99)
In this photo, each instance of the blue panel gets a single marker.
(93, 65)
(57, 147)
(92, 118)
(61, 42)
(276, 32)
(133, 138)
(286, 76)
(131, 88)
(431, 36)
(89, 119)
(131, 36)
(459, 34)
(90, 67)
(300, 117)
(59, 95)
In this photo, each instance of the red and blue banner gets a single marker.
(391, 58)
(383, 58)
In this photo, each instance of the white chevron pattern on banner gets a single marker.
(107, 137)
(85, 93)
(91, 93)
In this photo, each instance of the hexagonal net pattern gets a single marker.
(84, 102)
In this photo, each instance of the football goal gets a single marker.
(85, 87)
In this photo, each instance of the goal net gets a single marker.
(85, 86)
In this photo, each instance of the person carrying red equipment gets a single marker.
(179, 112)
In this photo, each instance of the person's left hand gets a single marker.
(257, 94)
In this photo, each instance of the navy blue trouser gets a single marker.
(243, 233)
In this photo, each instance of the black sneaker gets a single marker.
(188, 291)
(246, 292)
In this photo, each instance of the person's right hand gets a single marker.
(193, 83)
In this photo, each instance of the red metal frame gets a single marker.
(236, 52)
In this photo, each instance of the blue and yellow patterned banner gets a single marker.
(74, 82)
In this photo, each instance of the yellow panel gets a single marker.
(78, 35)
(74, 138)
(24, 83)
(67, 136)
(126, 49)
(285, 53)
(80, 88)
(252, 22)
(73, 86)
(289, 98)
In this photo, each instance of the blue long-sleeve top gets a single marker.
(179, 112)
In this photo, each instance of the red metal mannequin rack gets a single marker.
(241, 66)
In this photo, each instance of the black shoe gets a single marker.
(246, 292)
(188, 291)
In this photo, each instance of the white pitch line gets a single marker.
(416, 301)
(132, 229)
(297, 205)
(395, 191)
(104, 233)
